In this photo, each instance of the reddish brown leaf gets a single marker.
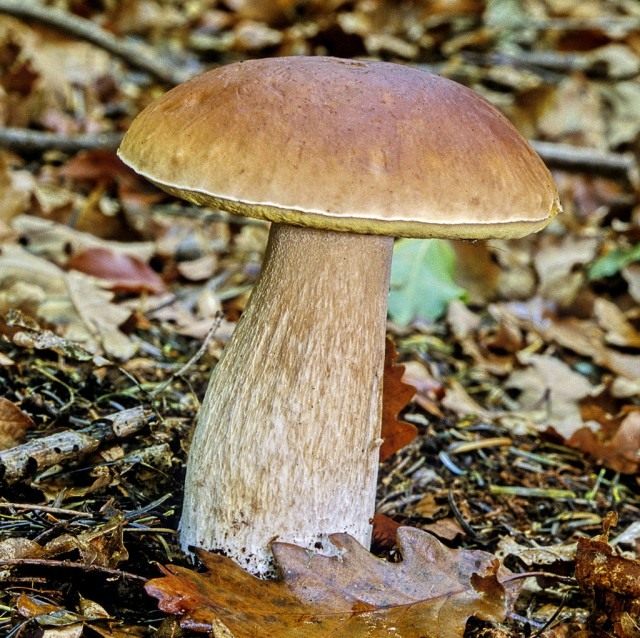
(104, 167)
(430, 594)
(612, 581)
(125, 272)
(385, 530)
(29, 607)
(617, 450)
(429, 391)
(447, 528)
(395, 396)
(97, 166)
(14, 424)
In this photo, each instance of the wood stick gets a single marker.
(20, 139)
(576, 159)
(67, 564)
(586, 160)
(69, 445)
(58, 511)
(137, 55)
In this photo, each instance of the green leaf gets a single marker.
(422, 280)
(613, 262)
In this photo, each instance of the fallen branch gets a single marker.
(57, 511)
(137, 55)
(19, 139)
(67, 564)
(586, 160)
(563, 156)
(69, 445)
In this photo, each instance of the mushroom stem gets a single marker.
(287, 439)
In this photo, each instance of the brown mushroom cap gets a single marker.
(365, 147)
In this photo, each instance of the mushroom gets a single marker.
(341, 156)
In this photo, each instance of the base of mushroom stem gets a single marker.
(261, 563)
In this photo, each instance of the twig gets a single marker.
(457, 514)
(198, 355)
(462, 447)
(551, 60)
(44, 508)
(532, 492)
(68, 445)
(586, 160)
(621, 25)
(137, 55)
(522, 575)
(552, 619)
(65, 564)
(20, 139)
(563, 156)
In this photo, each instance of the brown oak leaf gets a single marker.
(125, 273)
(430, 594)
(384, 532)
(14, 424)
(615, 445)
(613, 582)
(395, 396)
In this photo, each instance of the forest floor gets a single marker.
(527, 373)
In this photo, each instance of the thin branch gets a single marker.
(19, 139)
(137, 55)
(575, 159)
(65, 564)
(586, 160)
(44, 508)
(69, 445)
(194, 359)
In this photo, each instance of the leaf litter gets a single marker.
(431, 592)
(503, 449)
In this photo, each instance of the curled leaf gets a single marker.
(125, 273)
(430, 594)
(396, 394)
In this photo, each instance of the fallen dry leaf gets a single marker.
(536, 555)
(555, 261)
(549, 403)
(15, 190)
(100, 545)
(95, 166)
(125, 273)
(619, 451)
(587, 338)
(476, 271)
(72, 302)
(465, 324)
(55, 241)
(19, 547)
(430, 594)
(14, 424)
(63, 623)
(446, 528)
(429, 390)
(395, 396)
(458, 400)
(385, 531)
(618, 329)
(612, 581)
(631, 274)
(198, 269)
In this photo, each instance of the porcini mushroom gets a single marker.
(341, 155)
